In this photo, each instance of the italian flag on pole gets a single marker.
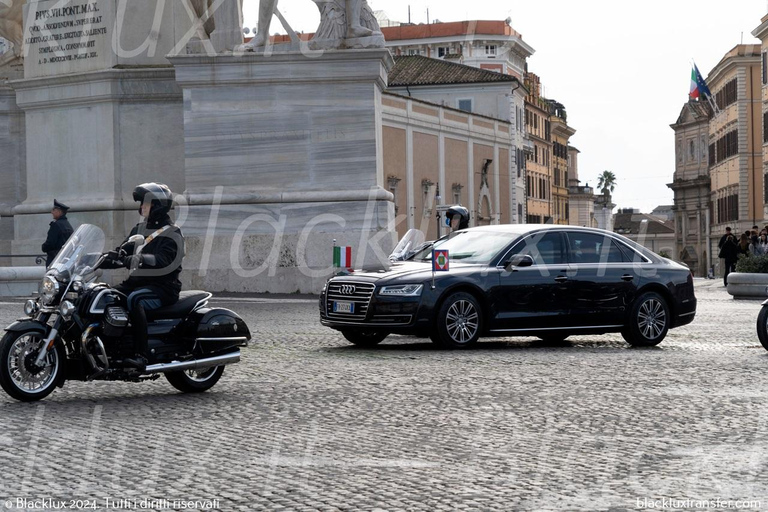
(695, 93)
(342, 257)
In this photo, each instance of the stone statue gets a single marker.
(343, 24)
(201, 8)
(12, 28)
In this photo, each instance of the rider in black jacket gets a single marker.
(154, 267)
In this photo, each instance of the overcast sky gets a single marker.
(622, 69)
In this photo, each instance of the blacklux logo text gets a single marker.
(714, 504)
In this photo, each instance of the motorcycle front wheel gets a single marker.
(762, 327)
(20, 376)
(195, 381)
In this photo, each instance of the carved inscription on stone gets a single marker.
(66, 34)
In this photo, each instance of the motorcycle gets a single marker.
(762, 324)
(79, 329)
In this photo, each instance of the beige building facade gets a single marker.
(436, 155)
(691, 187)
(735, 144)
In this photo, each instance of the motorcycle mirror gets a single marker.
(135, 239)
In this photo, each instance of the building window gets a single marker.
(725, 147)
(392, 184)
(692, 150)
(442, 51)
(456, 189)
(765, 125)
(728, 208)
(465, 105)
(765, 188)
(490, 50)
(414, 51)
(765, 68)
(727, 95)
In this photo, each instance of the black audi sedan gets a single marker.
(516, 280)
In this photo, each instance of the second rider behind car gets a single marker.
(155, 267)
(457, 217)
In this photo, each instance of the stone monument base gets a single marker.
(283, 156)
(95, 136)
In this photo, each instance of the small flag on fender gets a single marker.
(440, 261)
(342, 257)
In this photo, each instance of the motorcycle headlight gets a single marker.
(31, 308)
(402, 290)
(49, 289)
(66, 309)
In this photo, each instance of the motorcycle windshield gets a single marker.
(81, 250)
(407, 245)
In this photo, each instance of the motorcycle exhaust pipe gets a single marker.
(196, 364)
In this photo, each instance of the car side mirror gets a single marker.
(519, 261)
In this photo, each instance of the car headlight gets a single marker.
(49, 289)
(402, 290)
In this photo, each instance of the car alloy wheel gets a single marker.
(652, 319)
(459, 321)
(649, 321)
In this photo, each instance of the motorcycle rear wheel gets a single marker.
(762, 327)
(195, 381)
(18, 375)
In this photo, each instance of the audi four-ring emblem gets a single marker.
(347, 289)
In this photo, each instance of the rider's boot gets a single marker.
(139, 323)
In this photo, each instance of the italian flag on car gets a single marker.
(342, 257)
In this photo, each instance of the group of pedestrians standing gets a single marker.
(751, 243)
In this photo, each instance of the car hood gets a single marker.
(410, 271)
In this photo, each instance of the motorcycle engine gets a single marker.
(115, 321)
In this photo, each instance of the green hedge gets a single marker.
(752, 264)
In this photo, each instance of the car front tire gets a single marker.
(459, 321)
(649, 321)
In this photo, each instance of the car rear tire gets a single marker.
(762, 327)
(459, 321)
(649, 321)
(365, 338)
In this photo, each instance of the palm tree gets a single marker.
(606, 182)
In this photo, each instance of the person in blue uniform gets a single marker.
(58, 233)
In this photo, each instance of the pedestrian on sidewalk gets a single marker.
(728, 246)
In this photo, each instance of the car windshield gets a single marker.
(469, 246)
(80, 251)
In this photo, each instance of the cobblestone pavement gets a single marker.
(307, 422)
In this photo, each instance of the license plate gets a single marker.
(343, 307)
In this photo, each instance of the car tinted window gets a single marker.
(544, 248)
(470, 246)
(593, 248)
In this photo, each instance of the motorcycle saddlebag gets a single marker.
(219, 330)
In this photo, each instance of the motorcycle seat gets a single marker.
(187, 302)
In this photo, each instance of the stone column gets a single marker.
(283, 158)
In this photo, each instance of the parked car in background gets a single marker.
(516, 280)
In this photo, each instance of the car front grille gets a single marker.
(359, 294)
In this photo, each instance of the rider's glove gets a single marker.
(133, 261)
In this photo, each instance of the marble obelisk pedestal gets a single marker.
(283, 156)
(102, 110)
(12, 158)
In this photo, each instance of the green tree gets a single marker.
(606, 182)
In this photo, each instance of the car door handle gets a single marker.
(627, 277)
(561, 279)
